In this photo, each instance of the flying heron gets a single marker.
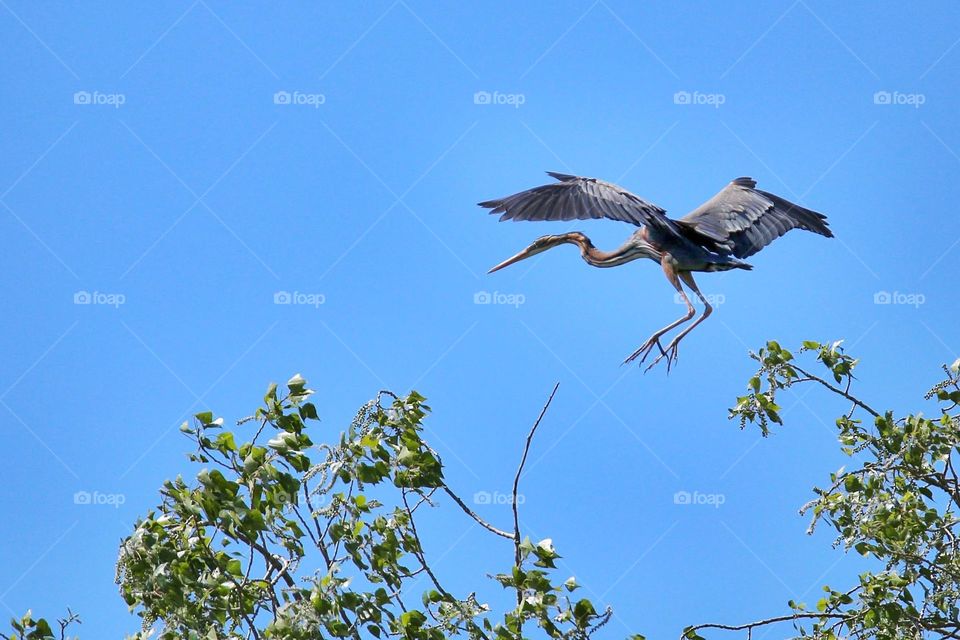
(736, 223)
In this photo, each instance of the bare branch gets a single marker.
(750, 626)
(66, 622)
(836, 390)
(483, 523)
(418, 551)
(516, 479)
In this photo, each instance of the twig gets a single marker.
(66, 622)
(418, 550)
(483, 523)
(253, 627)
(836, 390)
(516, 478)
(516, 512)
(281, 567)
(759, 623)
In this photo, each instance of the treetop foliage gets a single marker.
(279, 538)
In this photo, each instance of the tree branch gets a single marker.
(516, 478)
(836, 390)
(750, 626)
(418, 551)
(280, 567)
(483, 523)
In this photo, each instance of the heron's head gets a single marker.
(540, 245)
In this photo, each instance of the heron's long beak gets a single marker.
(532, 250)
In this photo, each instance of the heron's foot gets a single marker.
(671, 355)
(645, 349)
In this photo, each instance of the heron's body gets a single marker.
(736, 223)
(682, 256)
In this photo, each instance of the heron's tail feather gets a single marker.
(727, 266)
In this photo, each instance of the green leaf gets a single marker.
(225, 442)
(296, 381)
(42, 631)
(583, 611)
(271, 394)
(412, 620)
(308, 411)
(250, 464)
(691, 634)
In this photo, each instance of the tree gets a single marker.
(896, 504)
(277, 538)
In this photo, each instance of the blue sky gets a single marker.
(147, 162)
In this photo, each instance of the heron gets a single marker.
(734, 224)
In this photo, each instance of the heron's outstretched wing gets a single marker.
(576, 198)
(742, 220)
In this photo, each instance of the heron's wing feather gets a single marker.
(577, 198)
(742, 219)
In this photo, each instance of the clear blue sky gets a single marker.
(176, 185)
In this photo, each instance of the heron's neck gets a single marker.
(632, 249)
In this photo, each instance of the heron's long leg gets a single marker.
(654, 340)
(672, 349)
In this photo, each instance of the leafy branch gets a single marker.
(30, 628)
(281, 538)
(897, 505)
